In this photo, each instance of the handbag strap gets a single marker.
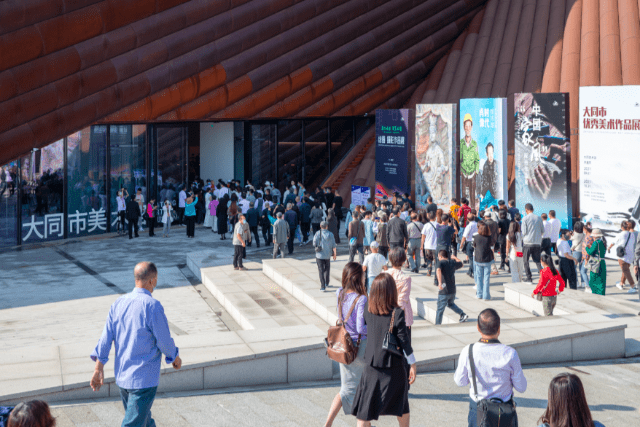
(393, 316)
(628, 237)
(472, 365)
(350, 310)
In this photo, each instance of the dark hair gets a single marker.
(483, 229)
(502, 214)
(383, 295)
(34, 413)
(528, 207)
(518, 217)
(414, 216)
(431, 215)
(443, 253)
(352, 281)
(489, 322)
(444, 217)
(487, 148)
(397, 257)
(514, 228)
(567, 405)
(552, 213)
(512, 202)
(465, 201)
(578, 227)
(430, 199)
(549, 261)
(543, 216)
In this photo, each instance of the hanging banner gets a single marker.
(542, 154)
(483, 151)
(359, 195)
(609, 153)
(435, 166)
(394, 138)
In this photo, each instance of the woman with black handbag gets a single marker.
(384, 386)
(353, 293)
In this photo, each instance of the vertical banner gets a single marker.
(609, 156)
(542, 153)
(359, 195)
(435, 165)
(483, 151)
(394, 139)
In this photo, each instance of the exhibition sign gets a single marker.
(542, 153)
(359, 195)
(609, 153)
(394, 139)
(435, 165)
(483, 151)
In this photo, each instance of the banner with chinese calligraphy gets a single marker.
(435, 166)
(609, 153)
(394, 139)
(483, 151)
(542, 153)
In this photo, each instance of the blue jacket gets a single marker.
(292, 219)
(305, 212)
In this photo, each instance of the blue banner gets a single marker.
(394, 136)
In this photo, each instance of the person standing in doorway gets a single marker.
(469, 161)
(190, 215)
(182, 198)
(133, 214)
(238, 243)
(281, 232)
(326, 247)
(137, 324)
(532, 231)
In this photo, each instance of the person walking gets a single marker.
(597, 274)
(356, 238)
(514, 248)
(281, 232)
(397, 257)
(493, 228)
(567, 404)
(292, 219)
(503, 231)
(305, 219)
(382, 236)
(384, 385)
(332, 220)
(133, 213)
(252, 217)
(445, 272)
(167, 217)
(137, 324)
(190, 215)
(549, 277)
(325, 245)
(316, 217)
(430, 241)
(626, 241)
(576, 249)
(567, 261)
(351, 305)
(369, 235)
(337, 208)
(494, 371)
(414, 247)
(397, 234)
(532, 231)
(239, 243)
(466, 243)
(374, 264)
(483, 258)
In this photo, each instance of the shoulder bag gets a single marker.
(390, 342)
(539, 294)
(340, 346)
(492, 412)
(593, 264)
(319, 246)
(621, 250)
(354, 240)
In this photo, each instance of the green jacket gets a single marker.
(469, 157)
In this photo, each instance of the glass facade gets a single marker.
(68, 188)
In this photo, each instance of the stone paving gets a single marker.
(612, 393)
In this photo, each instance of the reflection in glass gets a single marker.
(86, 185)
(128, 169)
(42, 194)
(341, 140)
(289, 152)
(263, 153)
(315, 153)
(8, 204)
(171, 145)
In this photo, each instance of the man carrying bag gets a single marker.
(494, 371)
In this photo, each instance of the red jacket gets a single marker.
(462, 215)
(550, 290)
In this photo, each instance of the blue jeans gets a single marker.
(481, 275)
(584, 274)
(445, 301)
(370, 280)
(137, 407)
(469, 252)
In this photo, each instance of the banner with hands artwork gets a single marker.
(542, 153)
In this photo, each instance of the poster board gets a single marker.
(394, 139)
(359, 195)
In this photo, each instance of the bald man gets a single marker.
(137, 324)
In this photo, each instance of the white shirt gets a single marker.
(498, 371)
(629, 248)
(121, 205)
(430, 235)
(556, 225)
(374, 263)
(547, 230)
(182, 197)
(244, 205)
(470, 230)
(563, 248)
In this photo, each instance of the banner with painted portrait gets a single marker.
(483, 151)
(542, 153)
(435, 165)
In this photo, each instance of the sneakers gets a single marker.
(475, 286)
(463, 318)
(633, 290)
(588, 290)
(619, 286)
(323, 289)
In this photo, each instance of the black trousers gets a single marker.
(315, 228)
(254, 231)
(304, 228)
(545, 246)
(191, 225)
(180, 215)
(266, 233)
(324, 267)
(292, 236)
(133, 226)
(568, 273)
(121, 215)
(151, 223)
(502, 244)
(531, 251)
(238, 251)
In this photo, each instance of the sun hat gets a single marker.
(596, 232)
